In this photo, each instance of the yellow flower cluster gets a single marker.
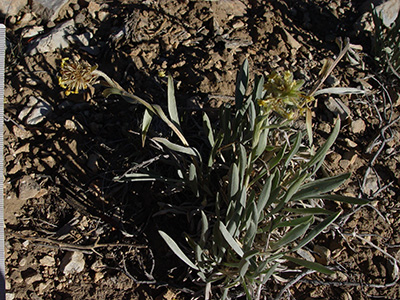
(76, 76)
(284, 97)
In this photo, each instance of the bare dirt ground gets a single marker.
(60, 195)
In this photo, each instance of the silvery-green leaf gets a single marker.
(310, 265)
(175, 248)
(172, 109)
(317, 230)
(234, 181)
(293, 222)
(319, 156)
(204, 228)
(176, 147)
(295, 149)
(147, 118)
(230, 240)
(241, 84)
(292, 235)
(208, 129)
(345, 199)
(315, 188)
(340, 91)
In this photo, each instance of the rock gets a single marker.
(43, 286)
(291, 40)
(334, 158)
(70, 125)
(22, 262)
(50, 161)
(30, 276)
(388, 11)
(102, 15)
(224, 8)
(72, 263)
(47, 261)
(371, 184)
(92, 50)
(305, 254)
(28, 188)
(98, 276)
(332, 80)
(357, 126)
(14, 205)
(22, 149)
(83, 39)
(21, 133)
(35, 111)
(49, 9)
(324, 254)
(55, 39)
(350, 143)
(93, 8)
(31, 32)
(349, 158)
(12, 7)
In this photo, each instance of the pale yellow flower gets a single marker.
(284, 97)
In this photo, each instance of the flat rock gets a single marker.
(83, 39)
(28, 188)
(13, 205)
(12, 7)
(35, 111)
(72, 263)
(32, 31)
(357, 126)
(21, 133)
(30, 276)
(47, 261)
(49, 9)
(389, 11)
(55, 39)
(291, 40)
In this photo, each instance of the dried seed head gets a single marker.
(76, 76)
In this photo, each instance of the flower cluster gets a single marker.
(76, 76)
(284, 97)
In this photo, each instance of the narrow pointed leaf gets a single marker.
(265, 194)
(292, 223)
(204, 228)
(147, 118)
(230, 240)
(317, 230)
(175, 248)
(310, 265)
(172, 109)
(234, 181)
(345, 199)
(176, 147)
(294, 150)
(320, 155)
(208, 129)
(241, 84)
(292, 235)
(315, 188)
(309, 210)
